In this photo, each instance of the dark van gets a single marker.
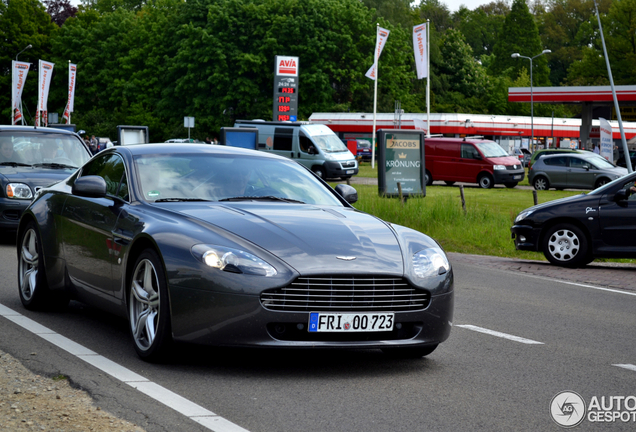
(472, 161)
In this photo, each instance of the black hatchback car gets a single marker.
(32, 158)
(573, 231)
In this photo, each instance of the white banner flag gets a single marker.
(380, 41)
(20, 71)
(607, 141)
(419, 46)
(72, 73)
(45, 71)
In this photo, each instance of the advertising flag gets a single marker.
(419, 46)
(20, 71)
(45, 72)
(607, 141)
(72, 73)
(380, 41)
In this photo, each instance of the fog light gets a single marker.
(522, 239)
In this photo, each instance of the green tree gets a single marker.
(520, 34)
(435, 11)
(560, 29)
(619, 27)
(397, 12)
(22, 23)
(480, 27)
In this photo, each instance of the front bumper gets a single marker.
(526, 237)
(509, 176)
(10, 212)
(224, 319)
(335, 170)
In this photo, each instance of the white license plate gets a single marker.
(517, 177)
(349, 171)
(350, 322)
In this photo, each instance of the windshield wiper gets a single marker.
(261, 198)
(54, 165)
(180, 200)
(14, 164)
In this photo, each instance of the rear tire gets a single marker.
(565, 245)
(485, 181)
(541, 183)
(148, 308)
(409, 353)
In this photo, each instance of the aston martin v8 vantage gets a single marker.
(231, 247)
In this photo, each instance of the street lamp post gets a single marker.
(517, 55)
(29, 46)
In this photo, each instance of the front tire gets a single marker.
(601, 182)
(485, 181)
(319, 172)
(565, 245)
(32, 283)
(428, 178)
(33, 286)
(148, 308)
(449, 183)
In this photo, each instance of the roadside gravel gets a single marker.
(30, 402)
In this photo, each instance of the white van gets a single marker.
(314, 145)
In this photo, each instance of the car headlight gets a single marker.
(524, 214)
(499, 167)
(430, 262)
(18, 191)
(232, 260)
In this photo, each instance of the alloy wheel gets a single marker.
(144, 304)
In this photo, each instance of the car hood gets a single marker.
(34, 176)
(505, 160)
(567, 200)
(311, 239)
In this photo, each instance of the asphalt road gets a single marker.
(572, 338)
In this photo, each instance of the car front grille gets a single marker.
(513, 167)
(338, 293)
(350, 164)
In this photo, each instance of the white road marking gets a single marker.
(626, 366)
(499, 334)
(578, 284)
(161, 394)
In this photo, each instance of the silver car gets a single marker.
(574, 171)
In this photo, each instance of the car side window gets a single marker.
(111, 169)
(556, 161)
(469, 152)
(304, 142)
(579, 163)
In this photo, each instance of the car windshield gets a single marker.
(491, 149)
(600, 162)
(329, 143)
(42, 148)
(206, 177)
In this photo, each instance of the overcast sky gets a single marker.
(453, 5)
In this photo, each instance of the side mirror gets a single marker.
(621, 195)
(477, 156)
(312, 150)
(347, 192)
(90, 187)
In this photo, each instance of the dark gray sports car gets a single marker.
(232, 247)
